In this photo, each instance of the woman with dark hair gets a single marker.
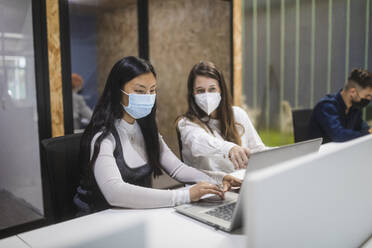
(121, 148)
(214, 134)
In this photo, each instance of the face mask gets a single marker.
(208, 102)
(361, 104)
(139, 105)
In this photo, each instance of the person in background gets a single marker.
(81, 111)
(121, 148)
(214, 134)
(338, 117)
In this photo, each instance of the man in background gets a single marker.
(338, 117)
(81, 112)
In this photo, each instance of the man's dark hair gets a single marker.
(360, 77)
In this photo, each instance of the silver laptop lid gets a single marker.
(276, 155)
(267, 158)
(319, 200)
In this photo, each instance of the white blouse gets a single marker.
(121, 194)
(209, 151)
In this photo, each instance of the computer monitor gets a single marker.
(319, 200)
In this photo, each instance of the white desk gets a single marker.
(331, 146)
(132, 228)
(138, 228)
(12, 242)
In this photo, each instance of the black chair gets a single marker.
(60, 171)
(301, 119)
(179, 143)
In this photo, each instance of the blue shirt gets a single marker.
(330, 121)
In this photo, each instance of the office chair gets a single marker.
(61, 173)
(301, 119)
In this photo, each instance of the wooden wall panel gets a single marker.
(55, 72)
(237, 51)
(182, 33)
(117, 37)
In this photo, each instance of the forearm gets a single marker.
(202, 143)
(216, 175)
(342, 135)
(178, 170)
(211, 147)
(187, 175)
(121, 194)
(329, 120)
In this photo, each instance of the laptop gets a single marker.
(275, 155)
(226, 214)
(319, 200)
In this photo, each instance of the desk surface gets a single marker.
(13, 242)
(142, 228)
(135, 228)
(130, 228)
(331, 147)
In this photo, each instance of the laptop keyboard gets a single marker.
(224, 212)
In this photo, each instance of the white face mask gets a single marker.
(208, 102)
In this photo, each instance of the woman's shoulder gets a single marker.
(108, 140)
(239, 112)
(183, 122)
(241, 116)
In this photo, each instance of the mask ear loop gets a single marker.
(128, 99)
(124, 92)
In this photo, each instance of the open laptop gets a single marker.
(319, 200)
(227, 214)
(275, 155)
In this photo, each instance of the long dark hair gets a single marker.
(225, 114)
(109, 109)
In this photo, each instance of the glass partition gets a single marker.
(21, 199)
(101, 32)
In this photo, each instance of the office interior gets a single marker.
(277, 56)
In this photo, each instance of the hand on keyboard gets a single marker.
(204, 188)
(211, 198)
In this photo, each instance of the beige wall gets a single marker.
(117, 37)
(183, 32)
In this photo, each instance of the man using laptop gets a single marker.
(338, 117)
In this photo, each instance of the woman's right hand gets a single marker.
(239, 157)
(203, 188)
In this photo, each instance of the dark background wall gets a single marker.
(83, 33)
